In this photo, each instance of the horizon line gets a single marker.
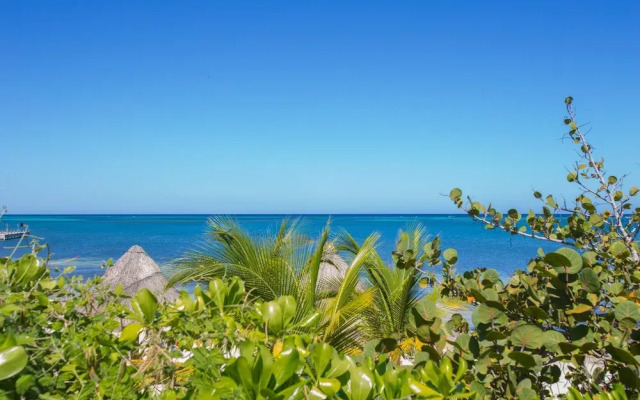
(217, 214)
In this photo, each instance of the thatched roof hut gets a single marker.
(332, 270)
(135, 270)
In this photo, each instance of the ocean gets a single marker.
(87, 241)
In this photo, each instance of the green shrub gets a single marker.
(573, 313)
(68, 339)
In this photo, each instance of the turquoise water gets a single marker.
(91, 239)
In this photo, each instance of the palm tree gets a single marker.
(397, 289)
(287, 264)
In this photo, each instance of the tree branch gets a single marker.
(525, 234)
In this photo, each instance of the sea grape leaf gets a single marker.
(627, 324)
(627, 309)
(619, 250)
(536, 312)
(589, 258)
(579, 309)
(524, 359)
(551, 340)
(490, 275)
(564, 260)
(484, 314)
(621, 355)
(451, 255)
(581, 334)
(589, 280)
(529, 336)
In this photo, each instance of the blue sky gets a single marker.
(307, 107)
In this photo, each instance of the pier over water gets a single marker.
(8, 235)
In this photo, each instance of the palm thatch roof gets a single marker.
(135, 270)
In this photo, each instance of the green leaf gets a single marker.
(286, 366)
(612, 180)
(360, 383)
(634, 190)
(621, 355)
(615, 288)
(564, 260)
(130, 332)
(619, 250)
(310, 321)
(329, 386)
(596, 220)
(627, 309)
(494, 335)
(551, 339)
(339, 365)
(589, 280)
(24, 383)
(529, 336)
(118, 290)
(551, 202)
(422, 390)
(218, 291)
(423, 283)
(579, 309)
(288, 306)
(272, 316)
(524, 391)
(451, 255)
(580, 335)
(455, 194)
(484, 314)
(12, 361)
(627, 324)
(28, 270)
(536, 312)
(145, 305)
(572, 176)
(490, 294)
(523, 359)
(617, 196)
(589, 258)
(69, 269)
(321, 354)
(490, 275)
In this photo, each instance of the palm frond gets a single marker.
(351, 279)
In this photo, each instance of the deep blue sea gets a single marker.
(91, 239)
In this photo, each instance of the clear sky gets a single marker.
(307, 107)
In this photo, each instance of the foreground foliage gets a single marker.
(64, 339)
